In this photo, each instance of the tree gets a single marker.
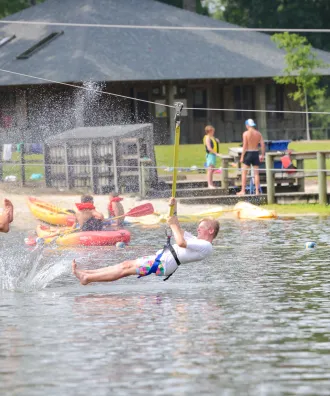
(8, 7)
(279, 14)
(200, 9)
(301, 71)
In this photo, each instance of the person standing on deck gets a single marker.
(212, 151)
(250, 154)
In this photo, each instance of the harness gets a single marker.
(214, 144)
(157, 261)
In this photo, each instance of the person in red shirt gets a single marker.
(115, 208)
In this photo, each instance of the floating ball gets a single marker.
(310, 245)
(40, 241)
(120, 245)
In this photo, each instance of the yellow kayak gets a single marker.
(245, 210)
(49, 213)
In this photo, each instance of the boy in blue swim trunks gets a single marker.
(188, 249)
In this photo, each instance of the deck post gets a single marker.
(224, 174)
(270, 178)
(322, 177)
(301, 181)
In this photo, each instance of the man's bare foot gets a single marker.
(9, 210)
(212, 187)
(79, 274)
(241, 193)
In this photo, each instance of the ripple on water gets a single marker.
(253, 319)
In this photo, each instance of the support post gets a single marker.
(261, 105)
(171, 112)
(22, 160)
(301, 181)
(322, 177)
(270, 178)
(224, 174)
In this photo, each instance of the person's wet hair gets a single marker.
(86, 198)
(212, 223)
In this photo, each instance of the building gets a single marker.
(203, 69)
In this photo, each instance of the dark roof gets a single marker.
(101, 54)
(105, 132)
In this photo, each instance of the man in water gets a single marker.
(250, 154)
(88, 217)
(7, 216)
(187, 249)
(116, 209)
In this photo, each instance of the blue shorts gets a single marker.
(211, 159)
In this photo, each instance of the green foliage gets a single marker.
(301, 67)
(179, 3)
(279, 14)
(8, 7)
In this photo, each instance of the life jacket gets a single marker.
(85, 206)
(287, 164)
(214, 144)
(110, 207)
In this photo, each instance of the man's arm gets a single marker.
(173, 222)
(178, 232)
(4, 223)
(263, 149)
(245, 144)
(98, 215)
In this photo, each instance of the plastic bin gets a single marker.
(277, 145)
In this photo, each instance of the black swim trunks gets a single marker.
(92, 224)
(251, 158)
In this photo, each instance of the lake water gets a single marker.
(253, 320)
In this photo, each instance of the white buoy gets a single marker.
(310, 245)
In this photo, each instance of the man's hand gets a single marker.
(218, 154)
(172, 202)
(262, 157)
(241, 159)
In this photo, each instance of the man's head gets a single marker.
(208, 229)
(250, 123)
(209, 130)
(86, 198)
(113, 194)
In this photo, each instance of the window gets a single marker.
(274, 101)
(200, 101)
(41, 44)
(6, 40)
(244, 99)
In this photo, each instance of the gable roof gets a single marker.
(103, 54)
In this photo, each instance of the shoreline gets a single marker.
(24, 220)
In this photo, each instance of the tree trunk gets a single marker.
(33, 2)
(189, 5)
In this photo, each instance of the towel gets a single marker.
(6, 154)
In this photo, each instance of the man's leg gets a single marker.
(107, 274)
(257, 179)
(7, 216)
(244, 175)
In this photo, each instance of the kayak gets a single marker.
(49, 213)
(245, 210)
(68, 237)
(158, 218)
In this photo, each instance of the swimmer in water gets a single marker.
(7, 216)
(187, 249)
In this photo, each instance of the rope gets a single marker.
(160, 104)
(165, 27)
(182, 168)
(84, 88)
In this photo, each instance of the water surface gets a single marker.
(253, 319)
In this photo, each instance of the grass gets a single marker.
(15, 170)
(194, 154)
(301, 209)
